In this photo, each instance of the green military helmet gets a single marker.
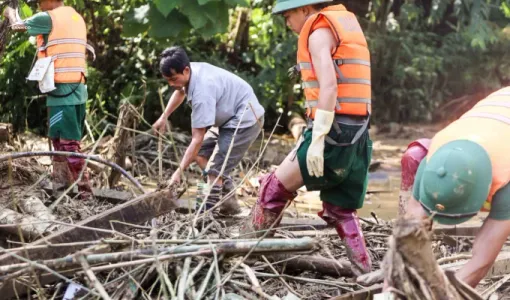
(455, 182)
(284, 5)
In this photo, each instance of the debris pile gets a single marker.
(127, 245)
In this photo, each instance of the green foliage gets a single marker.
(173, 18)
(423, 54)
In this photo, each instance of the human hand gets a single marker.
(315, 153)
(176, 178)
(160, 125)
(8, 12)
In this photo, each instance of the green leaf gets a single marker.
(171, 26)
(244, 3)
(136, 21)
(203, 2)
(166, 6)
(195, 12)
(25, 11)
(218, 15)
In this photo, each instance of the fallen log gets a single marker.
(135, 211)
(30, 227)
(228, 247)
(112, 196)
(34, 206)
(319, 264)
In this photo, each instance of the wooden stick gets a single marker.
(281, 279)
(181, 290)
(160, 158)
(493, 288)
(92, 278)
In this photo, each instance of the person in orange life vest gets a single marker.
(335, 150)
(61, 33)
(465, 169)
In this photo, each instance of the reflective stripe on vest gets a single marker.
(485, 115)
(494, 103)
(313, 103)
(341, 79)
(68, 70)
(499, 93)
(68, 55)
(308, 66)
(69, 41)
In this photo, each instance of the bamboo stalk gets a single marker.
(230, 247)
(92, 278)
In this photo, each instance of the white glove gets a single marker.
(315, 155)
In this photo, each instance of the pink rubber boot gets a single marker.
(347, 226)
(76, 165)
(61, 177)
(415, 153)
(272, 199)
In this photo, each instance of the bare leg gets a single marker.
(202, 162)
(289, 173)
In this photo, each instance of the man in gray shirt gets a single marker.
(222, 103)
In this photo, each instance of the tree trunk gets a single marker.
(36, 208)
(238, 38)
(410, 266)
(6, 133)
(31, 228)
(120, 144)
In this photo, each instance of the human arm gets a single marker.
(493, 233)
(321, 44)
(202, 117)
(40, 23)
(14, 20)
(197, 137)
(175, 101)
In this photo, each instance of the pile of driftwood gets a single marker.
(137, 244)
(178, 256)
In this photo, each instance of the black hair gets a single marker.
(173, 58)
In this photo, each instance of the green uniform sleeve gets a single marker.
(417, 179)
(500, 206)
(39, 23)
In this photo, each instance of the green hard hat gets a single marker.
(455, 182)
(283, 5)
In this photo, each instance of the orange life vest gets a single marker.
(67, 44)
(351, 59)
(487, 124)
